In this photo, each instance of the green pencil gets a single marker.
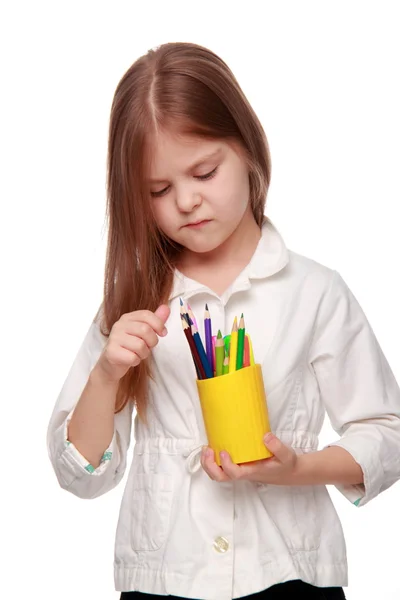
(219, 354)
(240, 349)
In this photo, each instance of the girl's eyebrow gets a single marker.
(198, 163)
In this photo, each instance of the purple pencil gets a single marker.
(208, 336)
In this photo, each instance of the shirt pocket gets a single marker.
(151, 508)
(293, 509)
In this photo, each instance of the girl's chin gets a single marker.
(204, 247)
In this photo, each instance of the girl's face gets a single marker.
(199, 190)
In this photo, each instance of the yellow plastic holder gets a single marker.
(235, 414)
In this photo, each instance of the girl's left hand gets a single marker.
(279, 469)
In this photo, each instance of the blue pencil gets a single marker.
(203, 356)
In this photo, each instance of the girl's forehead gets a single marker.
(182, 152)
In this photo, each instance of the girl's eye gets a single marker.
(208, 175)
(160, 193)
(200, 177)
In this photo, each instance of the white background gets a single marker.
(324, 80)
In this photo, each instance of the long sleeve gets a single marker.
(359, 391)
(73, 471)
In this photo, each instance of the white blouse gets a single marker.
(181, 533)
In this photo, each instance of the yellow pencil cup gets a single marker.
(235, 414)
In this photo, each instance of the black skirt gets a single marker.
(283, 591)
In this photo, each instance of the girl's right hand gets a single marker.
(130, 341)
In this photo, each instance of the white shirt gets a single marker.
(181, 533)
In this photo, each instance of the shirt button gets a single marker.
(221, 544)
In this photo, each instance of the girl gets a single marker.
(188, 174)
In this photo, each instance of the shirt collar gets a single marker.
(270, 257)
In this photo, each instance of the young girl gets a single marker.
(188, 174)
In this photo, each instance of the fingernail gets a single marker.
(164, 332)
(223, 454)
(268, 437)
(208, 452)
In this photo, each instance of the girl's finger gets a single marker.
(146, 316)
(232, 470)
(134, 344)
(143, 331)
(125, 357)
(210, 466)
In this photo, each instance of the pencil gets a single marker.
(246, 359)
(252, 362)
(208, 337)
(227, 342)
(201, 351)
(214, 339)
(219, 354)
(191, 316)
(234, 346)
(240, 349)
(225, 368)
(184, 313)
(196, 358)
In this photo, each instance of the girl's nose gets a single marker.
(187, 201)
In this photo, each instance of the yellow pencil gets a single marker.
(233, 348)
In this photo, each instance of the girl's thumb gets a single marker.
(163, 312)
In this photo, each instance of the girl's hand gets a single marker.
(130, 341)
(280, 469)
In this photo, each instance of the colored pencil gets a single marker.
(240, 349)
(191, 316)
(246, 360)
(225, 368)
(252, 362)
(227, 342)
(233, 348)
(214, 339)
(219, 354)
(208, 337)
(184, 313)
(201, 351)
(195, 354)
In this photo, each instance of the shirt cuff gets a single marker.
(80, 460)
(367, 457)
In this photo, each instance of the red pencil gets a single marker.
(246, 361)
(201, 374)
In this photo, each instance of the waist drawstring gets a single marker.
(193, 463)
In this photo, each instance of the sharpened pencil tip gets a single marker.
(206, 306)
(235, 327)
(181, 301)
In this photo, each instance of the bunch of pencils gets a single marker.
(221, 354)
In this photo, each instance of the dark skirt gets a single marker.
(282, 591)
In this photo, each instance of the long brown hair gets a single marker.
(187, 88)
